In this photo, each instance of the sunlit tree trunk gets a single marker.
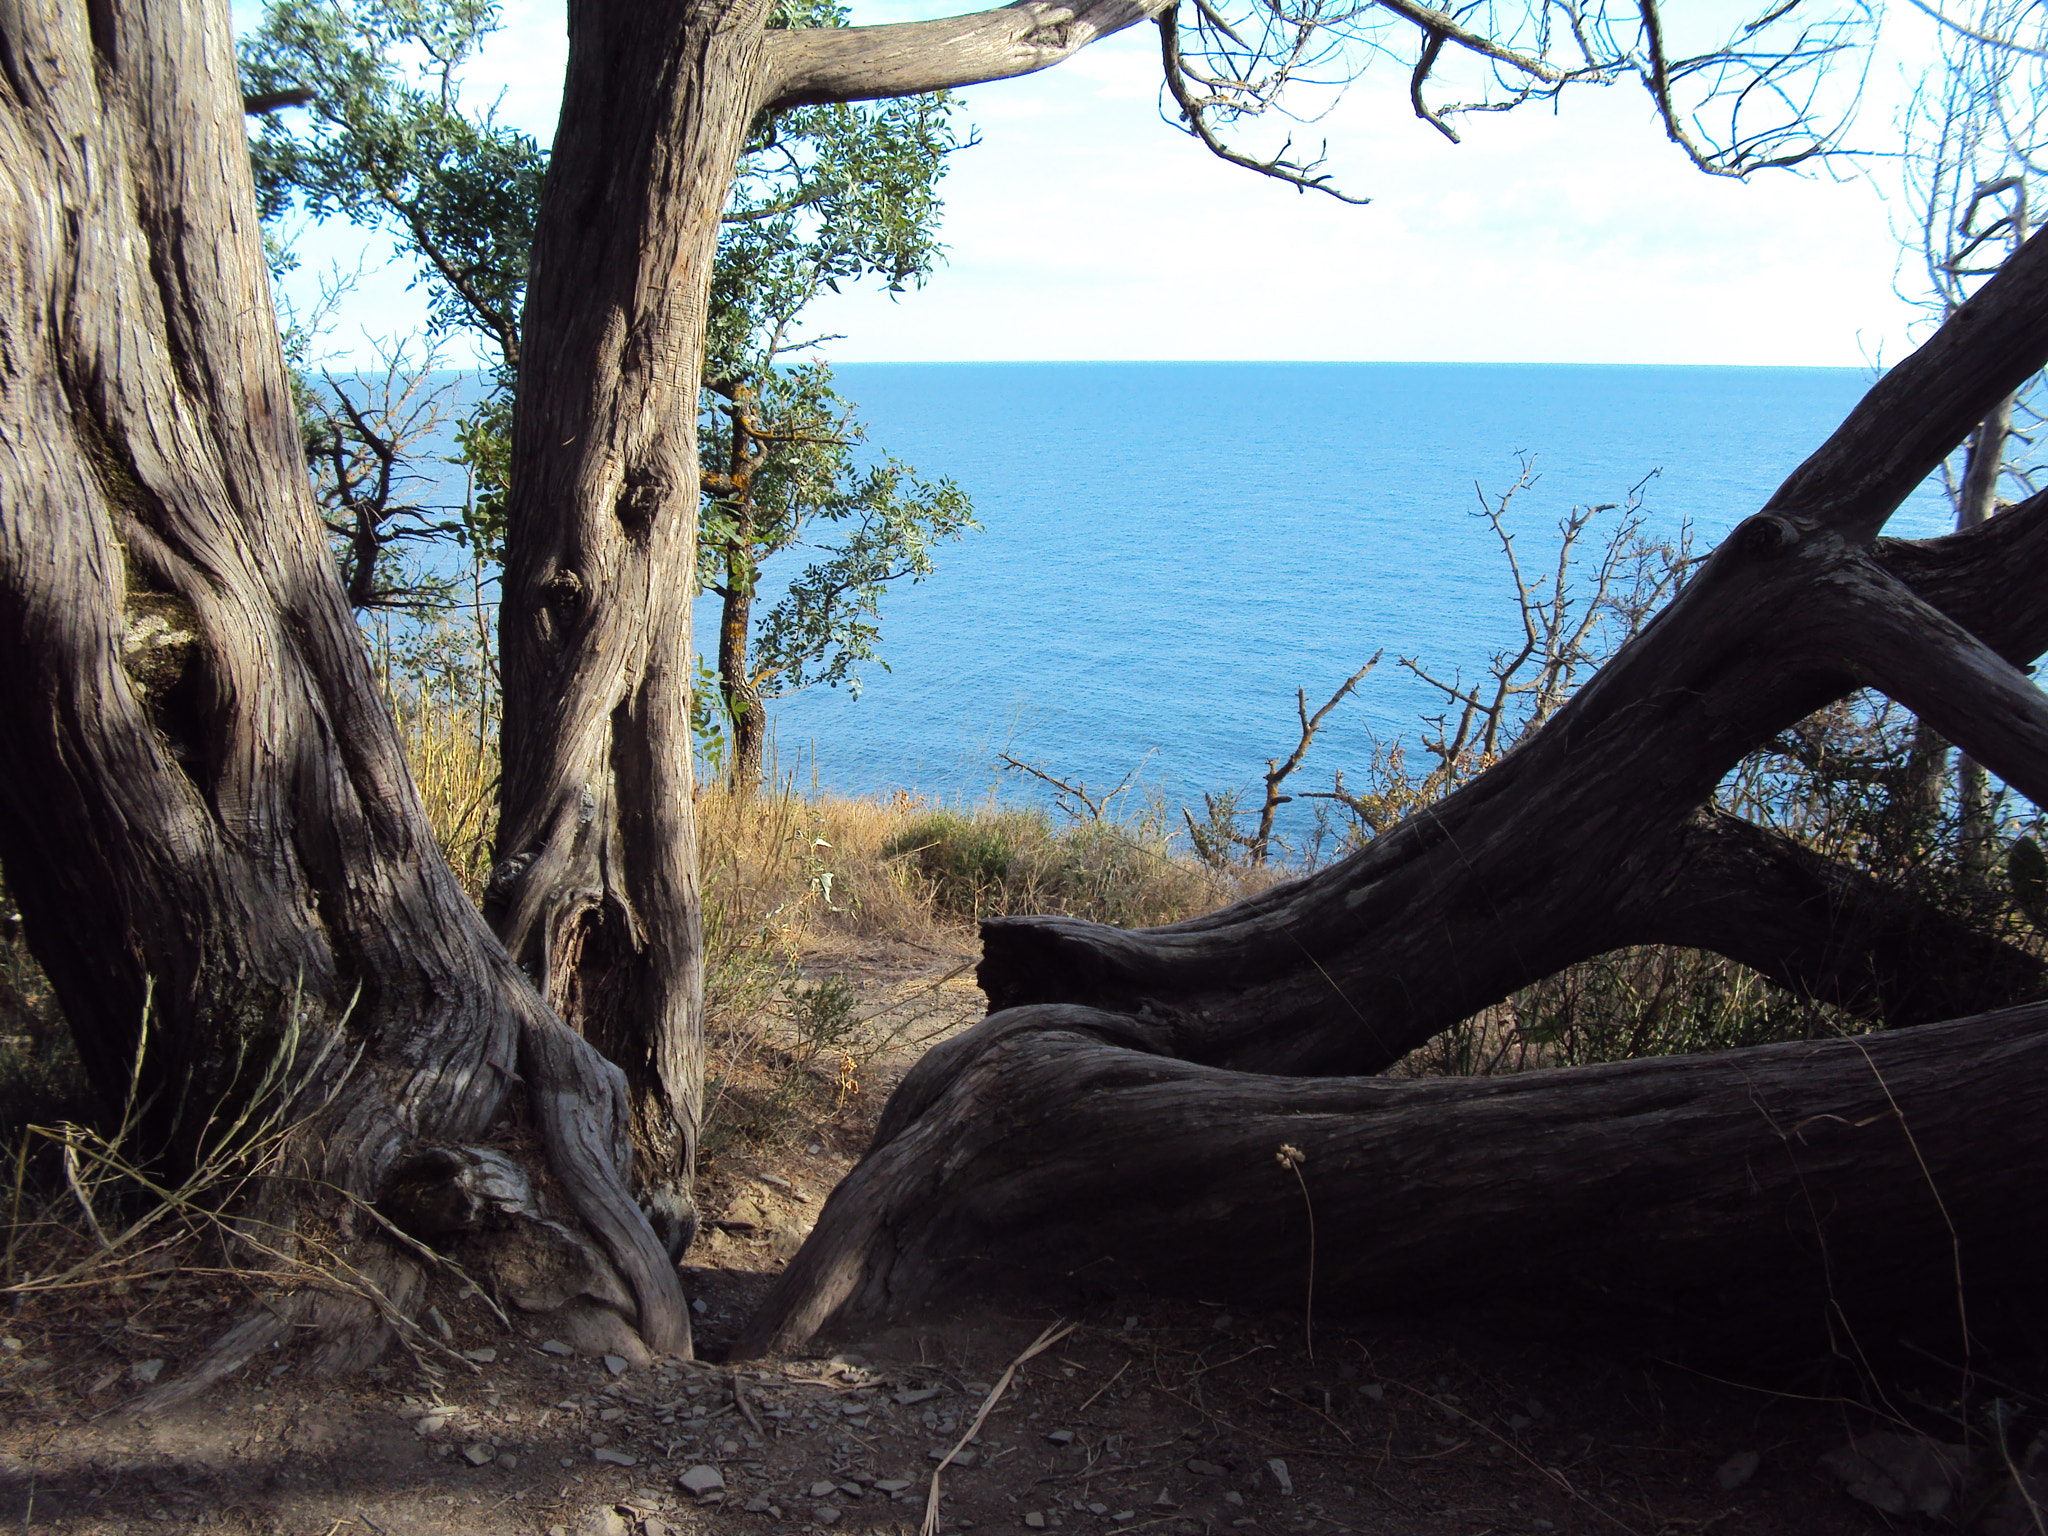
(207, 804)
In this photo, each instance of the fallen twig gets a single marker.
(1054, 1332)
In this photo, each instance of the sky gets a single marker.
(1082, 227)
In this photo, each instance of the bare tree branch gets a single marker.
(1279, 167)
(822, 64)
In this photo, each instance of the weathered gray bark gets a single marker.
(595, 891)
(1586, 837)
(204, 790)
(1786, 1189)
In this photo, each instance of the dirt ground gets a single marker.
(1188, 1418)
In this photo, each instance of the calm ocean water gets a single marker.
(1168, 550)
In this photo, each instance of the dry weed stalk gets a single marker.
(247, 1158)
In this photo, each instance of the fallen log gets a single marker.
(1810, 1186)
(1126, 1101)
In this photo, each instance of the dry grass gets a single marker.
(451, 741)
(789, 878)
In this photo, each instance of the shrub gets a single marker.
(968, 862)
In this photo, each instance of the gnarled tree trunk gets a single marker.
(1589, 836)
(595, 885)
(206, 800)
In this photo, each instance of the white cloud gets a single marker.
(1084, 227)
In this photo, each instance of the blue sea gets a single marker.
(1169, 550)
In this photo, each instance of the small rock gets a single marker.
(757, 1505)
(728, 1447)
(853, 1409)
(556, 1347)
(891, 1484)
(1035, 1519)
(1279, 1470)
(509, 1460)
(701, 1480)
(1517, 1422)
(916, 1395)
(822, 1489)
(616, 1364)
(1164, 1501)
(653, 1527)
(11, 1344)
(1737, 1470)
(978, 1388)
(1098, 1509)
(826, 1514)
(1124, 1516)
(699, 1307)
(430, 1424)
(965, 1458)
(853, 1490)
(1203, 1468)
(479, 1455)
(1061, 1437)
(610, 1457)
(143, 1371)
(480, 1356)
(1234, 1499)
(1375, 1391)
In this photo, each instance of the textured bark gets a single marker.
(864, 63)
(204, 791)
(1773, 1193)
(1125, 1100)
(595, 886)
(1832, 933)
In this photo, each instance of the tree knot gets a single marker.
(1766, 535)
(507, 873)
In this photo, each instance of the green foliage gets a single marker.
(964, 859)
(2026, 873)
(884, 523)
(484, 448)
(824, 1018)
(824, 196)
(386, 146)
(997, 862)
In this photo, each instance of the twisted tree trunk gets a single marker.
(207, 805)
(1587, 837)
(595, 887)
